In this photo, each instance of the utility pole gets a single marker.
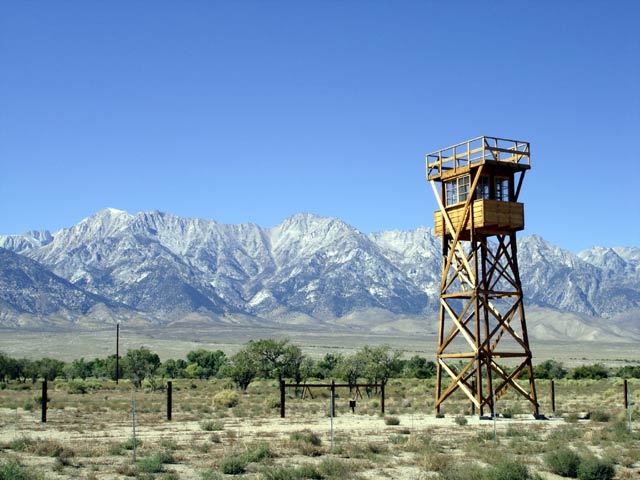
(117, 351)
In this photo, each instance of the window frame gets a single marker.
(483, 188)
(457, 190)
(500, 183)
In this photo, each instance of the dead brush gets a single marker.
(433, 461)
(371, 451)
(392, 420)
(42, 447)
(306, 442)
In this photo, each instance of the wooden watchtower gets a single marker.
(483, 345)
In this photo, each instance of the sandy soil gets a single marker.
(82, 433)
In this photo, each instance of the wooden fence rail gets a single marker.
(332, 386)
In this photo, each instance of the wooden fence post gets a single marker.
(282, 399)
(473, 405)
(382, 399)
(626, 395)
(333, 398)
(44, 401)
(553, 397)
(169, 399)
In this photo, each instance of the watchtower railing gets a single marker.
(477, 150)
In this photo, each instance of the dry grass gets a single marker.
(89, 435)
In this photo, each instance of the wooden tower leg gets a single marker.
(481, 308)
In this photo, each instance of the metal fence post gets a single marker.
(133, 424)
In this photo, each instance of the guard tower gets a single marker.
(483, 345)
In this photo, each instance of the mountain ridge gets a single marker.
(306, 269)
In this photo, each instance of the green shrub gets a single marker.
(211, 426)
(600, 416)
(391, 421)
(233, 465)
(226, 399)
(128, 444)
(398, 439)
(508, 413)
(169, 444)
(592, 468)
(165, 456)
(518, 431)
(509, 470)
(563, 462)
(236, 464)
(12, 470)
(272, 402)
(280, 473)
(629, 371)
(152, 464)
(335, 468)
(95, 385)
(549, 369)
(37, 399)
(21, 444)
(306, 436)
(169, 476)
(210, 475)
(309, 472)
(257, 453)
(460, 420)
(77, 387)
(462, 472)
(594, 372)
(287, 473)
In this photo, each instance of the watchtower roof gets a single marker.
(457, 159)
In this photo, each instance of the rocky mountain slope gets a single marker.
(308, 269)
(28, 287)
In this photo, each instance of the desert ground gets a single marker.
(90, 435)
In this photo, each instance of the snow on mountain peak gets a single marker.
(114, 211)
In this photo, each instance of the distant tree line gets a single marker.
(266, 359)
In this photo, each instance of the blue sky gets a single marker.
(250, 111)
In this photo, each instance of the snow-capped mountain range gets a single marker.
(308, 269)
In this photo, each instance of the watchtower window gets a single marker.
(463, 188)
(457, 190)
(482, 189)
(452, 192)
(502, 189)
